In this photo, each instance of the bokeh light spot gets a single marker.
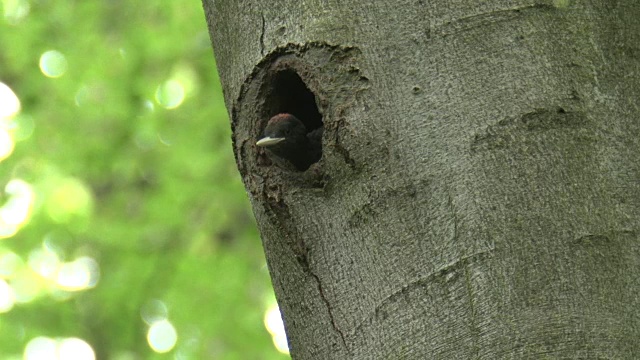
(21, 127)
(7, 297)
(80, 274)
(6, 144)
(148, 106)
(27, 285)
(162, 336)
(187, 76)
(17, 210)
(75, 349)
(82, 96)
(44, 262)
(170, 94)
(9, 108)
(69, 198)
(9, 102)
(154, 311)
(7, 230)
(15, 10)
(275, 327)
(44, 348)
(53, 63)
(10, 263)
(40, 348)
(91, 95)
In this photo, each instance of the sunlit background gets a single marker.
(125, 232)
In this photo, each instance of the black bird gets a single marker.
(286, 138)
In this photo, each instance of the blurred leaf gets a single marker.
(123, 141)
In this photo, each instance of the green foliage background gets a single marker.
(152, 194)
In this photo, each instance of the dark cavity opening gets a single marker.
(289, 94)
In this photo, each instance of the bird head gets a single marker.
(283, 133)
(287, 142)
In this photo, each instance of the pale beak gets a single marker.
(268, 141)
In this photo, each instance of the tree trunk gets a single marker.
(478, 195)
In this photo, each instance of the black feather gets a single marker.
(300, 147)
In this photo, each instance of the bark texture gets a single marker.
(478, 196)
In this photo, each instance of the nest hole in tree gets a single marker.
(288, 93)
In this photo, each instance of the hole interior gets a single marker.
(289, 94)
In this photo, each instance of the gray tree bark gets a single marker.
(478, 195)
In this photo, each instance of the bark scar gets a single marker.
(340, 148)
(329, 310)
(453, 269)
(264, 27)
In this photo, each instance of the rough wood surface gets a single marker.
(478, 196)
